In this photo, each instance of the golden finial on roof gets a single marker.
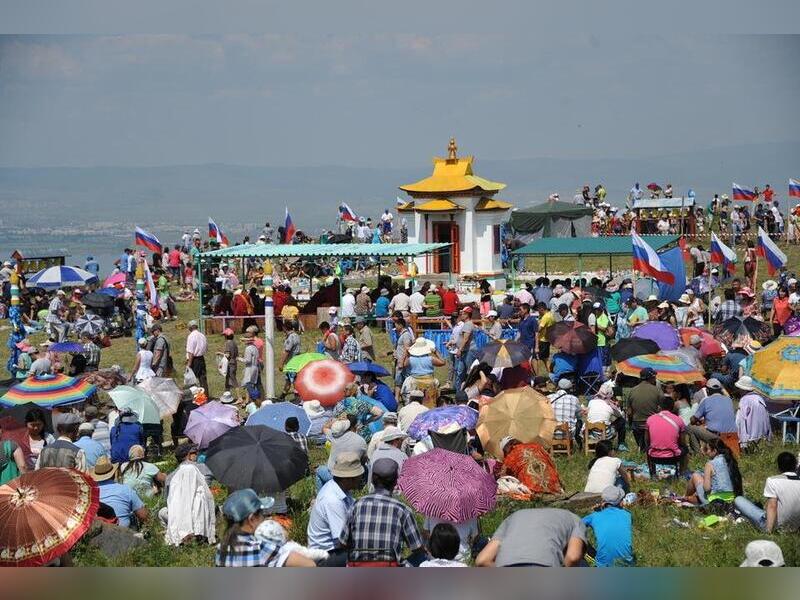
(452, 149)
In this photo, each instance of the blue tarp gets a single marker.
(441, 336)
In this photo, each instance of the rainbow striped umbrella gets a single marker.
(48, 391)
(672, 369)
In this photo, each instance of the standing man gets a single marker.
(528, 326)
(91, 351)
(196, 348)
(56, 312)
(348, 304)
(159, 346)
(405, 337)
(92, 266)
(599, 323)
(365, 338)
(291, 348)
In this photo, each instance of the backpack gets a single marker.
(8, 468)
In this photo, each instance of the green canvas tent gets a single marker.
(552, 219)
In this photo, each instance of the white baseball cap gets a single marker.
(763, 553)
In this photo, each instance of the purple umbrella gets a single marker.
(436, 418)
(663, 334)
(448, 486)
(210, 421)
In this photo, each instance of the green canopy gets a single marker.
(543, 217)
(318, 250)
(615, 245)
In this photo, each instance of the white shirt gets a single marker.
(603, 474)
(196, 343)
(348, 306)
(524, 297)
(407, 414)
(600, 411)
(417, 302)
(787, 491)
(400, 302)
(387, 216)
(328, 516)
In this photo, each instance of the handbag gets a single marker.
(222, 365)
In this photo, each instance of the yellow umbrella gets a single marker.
(775, 370)
(521, 413)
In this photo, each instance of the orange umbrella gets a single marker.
(43, 514)
(709, 347)
(522, 413)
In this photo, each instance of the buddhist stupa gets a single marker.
(454, 205)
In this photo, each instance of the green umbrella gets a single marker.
(301, 360)
(125, 396)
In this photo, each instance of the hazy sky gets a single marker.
(387, 99)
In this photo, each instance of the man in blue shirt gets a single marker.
(612, 530)
(528, 326)
(92, 266)
(715, 411)
(91, 448)
(120, 497)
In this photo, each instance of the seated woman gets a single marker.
(376, 389)
(531, 465)
(605, 470)
(145, 478)
(720, 479)
(603, 408)
(244, 512)
(355, 404)
(444, 546)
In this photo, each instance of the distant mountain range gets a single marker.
(253, 194)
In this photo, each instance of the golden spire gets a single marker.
(452, 149)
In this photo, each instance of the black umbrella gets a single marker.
(95, 300)
(740, 331)
(629, 347)
(18, 412)
(257, 457)
(504, 354)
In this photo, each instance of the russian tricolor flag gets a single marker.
(722, 255)
(770, 251)
(794, 188)
(741, 193)
(148, 240)
(347, 214)
(288, 228)
(215, 233)
(647, 261)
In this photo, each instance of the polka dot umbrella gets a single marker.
(323, 380)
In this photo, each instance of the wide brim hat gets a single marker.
(103, 469)
(769, 285)
(421, 347)
(745, 382)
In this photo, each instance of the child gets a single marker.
(720, 478)
(443, 547)
(612, 530)
(606, 470)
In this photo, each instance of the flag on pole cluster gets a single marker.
(148, 240)
(151, 285)
(743, 193)
(347, 214)
(769, 250)
(215, 233)
(722, 255)
(646, 260)
(288, 228)
(794, 188)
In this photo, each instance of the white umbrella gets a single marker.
(165, 393)
(54, 278)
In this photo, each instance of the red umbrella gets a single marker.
(710, 345)
(323, 380)
(43, 514)
(572, 337)
(446, 485)
(654, 187)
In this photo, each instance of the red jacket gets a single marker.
(449, 302)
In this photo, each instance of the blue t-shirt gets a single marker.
(382, 307)
(121, 498)
(527, 331)
(717, 410)
(92, 449)
(384, 395)
(614, 535)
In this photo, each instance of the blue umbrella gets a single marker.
(54, 278)
(110, 291)
(275, 415)
(359, 368)
(66, 347)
